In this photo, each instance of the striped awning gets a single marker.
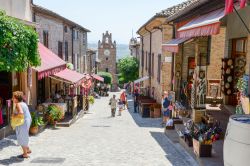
(205, 25)
(50, 62)
(173, 45)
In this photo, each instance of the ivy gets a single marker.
(18, 45)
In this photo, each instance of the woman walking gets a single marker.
(22, 131)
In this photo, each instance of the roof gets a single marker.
(198, 7)
(43, 10)
(170, 11)
(176, 9)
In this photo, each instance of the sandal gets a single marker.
(29, 152)
(22, 156)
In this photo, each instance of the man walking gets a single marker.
(113, 103)
(136, 94)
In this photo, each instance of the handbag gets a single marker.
(17, 120)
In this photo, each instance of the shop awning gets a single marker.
(205, 25)
(141, 79)
(173, 45)
(97, 77)
(69, 76)
(50, 62)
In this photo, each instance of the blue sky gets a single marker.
(116, 16)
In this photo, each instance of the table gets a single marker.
(143, 112)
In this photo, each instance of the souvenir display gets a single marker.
(227, 74)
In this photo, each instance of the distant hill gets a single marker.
(122, 49)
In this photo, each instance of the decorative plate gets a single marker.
(228, 71)
(229, 62)
(229, 91)
(230, 79)
(227, 85)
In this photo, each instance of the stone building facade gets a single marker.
(156, 62)
(134, 47)
(65, 38)
(107, 56)
(91, 61)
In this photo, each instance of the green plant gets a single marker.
(18, 43)
(128, 68)
(36, 120)
(70, 66)
(54, 113)
(107, 77)
(91, 99)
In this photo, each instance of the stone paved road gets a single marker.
(99, 140)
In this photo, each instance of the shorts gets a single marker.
(167, 113)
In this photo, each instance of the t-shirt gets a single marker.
(166, 103)
(113, 103)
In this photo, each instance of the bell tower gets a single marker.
(107, 55)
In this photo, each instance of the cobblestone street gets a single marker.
(98, 139)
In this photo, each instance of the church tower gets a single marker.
(107, 55)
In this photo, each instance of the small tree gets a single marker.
(107, 77)
(128, 69)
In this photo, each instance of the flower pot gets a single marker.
(33, 130)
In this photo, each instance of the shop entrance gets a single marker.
(5, 94)
(41, 91)
(239, 51)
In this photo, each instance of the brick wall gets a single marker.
(166, 79)
(216, 54)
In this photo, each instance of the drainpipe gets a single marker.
(173, 59)
(150, 51)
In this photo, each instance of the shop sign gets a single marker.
(168, 59)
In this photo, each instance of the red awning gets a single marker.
(50, 62)
(70, 76)
(205, 25)
(173, 45)
(97, 77)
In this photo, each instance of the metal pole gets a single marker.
(248, 30)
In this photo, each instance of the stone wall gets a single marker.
(17, 8)
(54, 28)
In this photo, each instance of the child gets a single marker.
(120, 107)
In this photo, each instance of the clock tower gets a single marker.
(107, 55)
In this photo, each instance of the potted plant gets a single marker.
(36, 122)
(91, 99)
(54, 114)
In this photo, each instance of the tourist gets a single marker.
(123, 99)
(113, 103)
(120, 107)
(136, 95)
(165, 104)
(22, 131)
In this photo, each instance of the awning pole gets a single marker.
(248, 30)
